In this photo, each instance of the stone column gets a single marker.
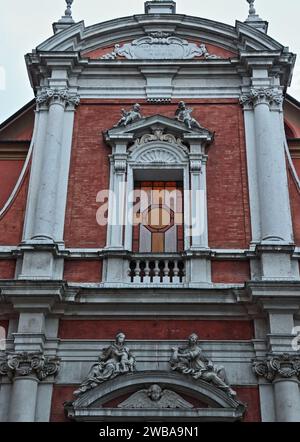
(275, 222)
(45, 212)
(25, 371)
(284, 372)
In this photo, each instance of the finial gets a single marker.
(252, 10)
(68, 12)
(66, 20)
(254, 19)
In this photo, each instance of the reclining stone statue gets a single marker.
(190, 360)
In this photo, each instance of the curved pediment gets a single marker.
(85, 39)
(195, 400)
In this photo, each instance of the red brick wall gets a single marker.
(230, 271)
(295, 206)
(156, 329)
(60, 395)
(9, 174)
(64, 393)
(7, 269)
(11, 224)
(4, 324)
(228, 204)
(250, 397)
(83, 271)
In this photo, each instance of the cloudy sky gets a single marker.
(25, 24)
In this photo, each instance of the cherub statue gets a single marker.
(183, 114)
(155, 397)
(131, 116)
(114, 360)
(190, 360)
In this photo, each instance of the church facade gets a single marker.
(150, 225)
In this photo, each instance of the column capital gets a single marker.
(49, 96)
(282, 366)
(269, 96)
(28, 364)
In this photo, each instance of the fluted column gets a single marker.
(284, 372)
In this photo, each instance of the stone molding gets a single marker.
(28, 364)
(283, 366)
(50, 96)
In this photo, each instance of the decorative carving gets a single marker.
(159, 46)
(159, 135)
(131, 116)
(157, 155)
(120, 166)
(262, 95)
(155, 397)
(282, 366)
(48, 95)
(184, 115)
(114, 360)
(24, 364)
(190, 360)
(195, 165)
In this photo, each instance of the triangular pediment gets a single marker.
(156, 122)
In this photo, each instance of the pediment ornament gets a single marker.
(159, 46)
(155, 397)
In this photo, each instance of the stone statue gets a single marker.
(183, 114)
(155, 397)
(190, 360)
(131, 116)
(114, 360)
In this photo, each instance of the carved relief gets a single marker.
(48, 96)
(25, 364)
(114, 360)
(159, 135)
(282, 366)
(131, 116)
(190, 360)
(159, 46)
(157, 155)
(155, 397)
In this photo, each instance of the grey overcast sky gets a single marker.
(26, 23)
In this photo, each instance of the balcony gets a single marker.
(156, 269)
